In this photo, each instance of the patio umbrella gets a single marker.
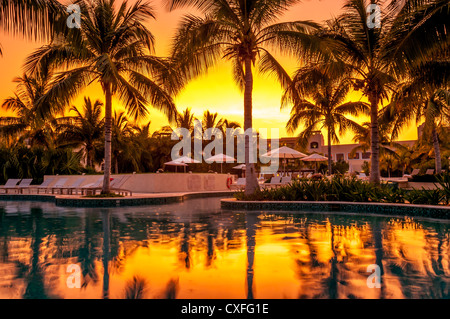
(315, 158)
(220, 158)
(182, 161)
(176, 164)
(285, 153)
(241, 166)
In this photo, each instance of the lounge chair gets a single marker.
(274, 182)
(59, 185)
(45, 185)
(24, 184)
(286, 180)
(115, 186)
(10, 184)
(75, 186)
(415, 171)
(429, 171)
(240, 183)
(90, 187)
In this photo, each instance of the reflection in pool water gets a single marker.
(196, 250)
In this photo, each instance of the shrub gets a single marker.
(350, 190)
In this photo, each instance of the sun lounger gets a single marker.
(240, 183)
(413, 173)
(45, 184)
(24, 184)
(274, 182)
(115, 186)
(75, 186)
(59, 185)
(286, 180)
(429, 171)
(10, 184)
(86, 188)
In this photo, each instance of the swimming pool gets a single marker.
(194, 249)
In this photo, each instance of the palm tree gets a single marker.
(111, 48)
(423, 95)
(122, 147)
(238, 31)
(319, 103)
(186, 120)
(85, 129)
(34, 120)
(410, 32)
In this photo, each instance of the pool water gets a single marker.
(194, 250)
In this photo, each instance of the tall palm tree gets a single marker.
(409, 33)
(239, 31)
(319, 103)
(85, 129)
(111, 48)
(33, 120)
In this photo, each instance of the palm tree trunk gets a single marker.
(437, 151)
(88, 157)
(329, 153)
(251, 184)
(374, 140)
(108, 124)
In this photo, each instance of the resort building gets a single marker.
(340, 152)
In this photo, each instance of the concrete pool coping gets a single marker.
(138, 199)
(430, 211)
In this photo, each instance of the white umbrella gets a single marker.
(186, 160)
(176, 164)
(315, 158)
(182, 161)
(220, 158)
(285, 153)
(241, 166)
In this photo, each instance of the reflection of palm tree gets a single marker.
(184, 247)
(35, 277)
(86, 254)
(135, 288)
(379, 252)
(171, 289)
(250, 220)
(106, 251)
(332, 281)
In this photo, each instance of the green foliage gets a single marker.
(340, 167)
(23, 162)
(424, 196)
(366, 167)
(350, 190)
(444, 183)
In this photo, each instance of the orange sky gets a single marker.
(215, 91)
